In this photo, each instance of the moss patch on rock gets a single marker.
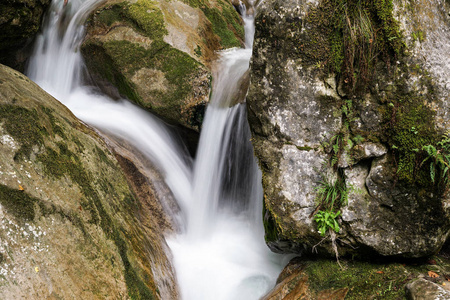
(18, 202)
(225, 21)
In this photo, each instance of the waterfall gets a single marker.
(219, 252)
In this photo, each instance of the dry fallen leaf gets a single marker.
(21, 188)
(379, 272)
(432, 274)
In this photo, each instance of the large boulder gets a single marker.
(158, 53)
(347, 98)
(20, 21)
(325, 279)
(73, 224)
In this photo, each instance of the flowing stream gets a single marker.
(219, 252)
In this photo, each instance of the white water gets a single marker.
(220, 251)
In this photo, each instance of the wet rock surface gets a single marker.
(159, 53)
(71, 225)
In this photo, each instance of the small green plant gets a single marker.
(198, 51)
(439, 158)
(327, 220)
(331, 196)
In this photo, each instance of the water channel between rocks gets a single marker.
(219, 251)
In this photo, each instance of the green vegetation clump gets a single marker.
(18, 203)
(24, 126)
(148, 18)
(364, 280)
(360, 34)
(438, 158)
(411, 127)
(177, 66)
(331, 196)
(225, 21)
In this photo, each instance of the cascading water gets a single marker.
(219, 252)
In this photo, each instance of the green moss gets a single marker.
(56, 129)
(365, 280)
(24, 126)
(177, 66)
(226, 22)
(103, 63)
(360, 33)
(270, 227)
(220, 27)
(411, 126)
(148, 18)
(58, 163)
(18, 203)
(111, 14)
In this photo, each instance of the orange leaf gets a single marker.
(379, 272)
(21, 188)
(432, 274)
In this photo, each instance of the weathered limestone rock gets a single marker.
(20, 21)
(71, 226)
(158, 53)
(321, 114)
(422, 289)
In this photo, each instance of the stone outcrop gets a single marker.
(73, 224)
(326, 279)
(159, 53)
(424, 289)
(20, 21)
(351, 108)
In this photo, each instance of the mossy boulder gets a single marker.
(348, 103)
(159, 53)
(72, 226)
(358, 280)
(20, 21)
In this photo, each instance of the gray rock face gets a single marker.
(422, 289)
(308, 125)
(72, 227)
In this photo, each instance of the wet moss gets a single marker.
(411, 126)
(348, 38)
(270, 227)
(103, 63)
(56, 129)
(148, 18)
(18, 203)
(226, 22)
(177, 66)
(364, 280)
(111, 14)
(24, 126)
